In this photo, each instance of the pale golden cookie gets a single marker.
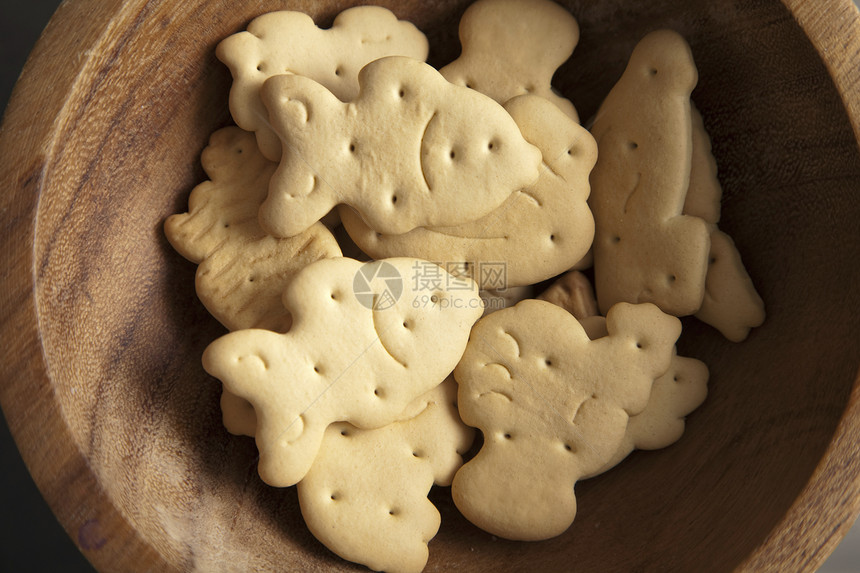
(674, 395)
(224, 208)
(645, 249)
(242, 271)
(731, 303)
(513, 47)
(289, 42)
(406, 152)
(540, 231)
(365, 497)
(237, 415)
(552, 408)
(359, 350)
(594, 326)
(704, 192)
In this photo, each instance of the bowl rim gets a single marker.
(804, 537)
(790, 543)
(32, 410)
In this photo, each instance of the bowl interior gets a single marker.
(123, 331)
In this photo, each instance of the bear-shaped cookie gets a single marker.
(513, 47)
(553, 407)
(674, 395)
(365, 497)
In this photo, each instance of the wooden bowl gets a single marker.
(102, 333)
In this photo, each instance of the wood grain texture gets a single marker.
(101, 331)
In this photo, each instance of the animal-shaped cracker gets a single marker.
(290, 42)
(405, 152)
(513, 47)
(359, 351)
(675, 394)
(645, 249)
(539, 232)
(704, 193)
(365, 497)
(242, 271)
(731, 303)
(553, 407)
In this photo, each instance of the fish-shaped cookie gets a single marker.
(541, 230)
(406, 152)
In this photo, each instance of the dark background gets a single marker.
(31, 538)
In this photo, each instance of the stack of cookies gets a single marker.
(479, 212)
